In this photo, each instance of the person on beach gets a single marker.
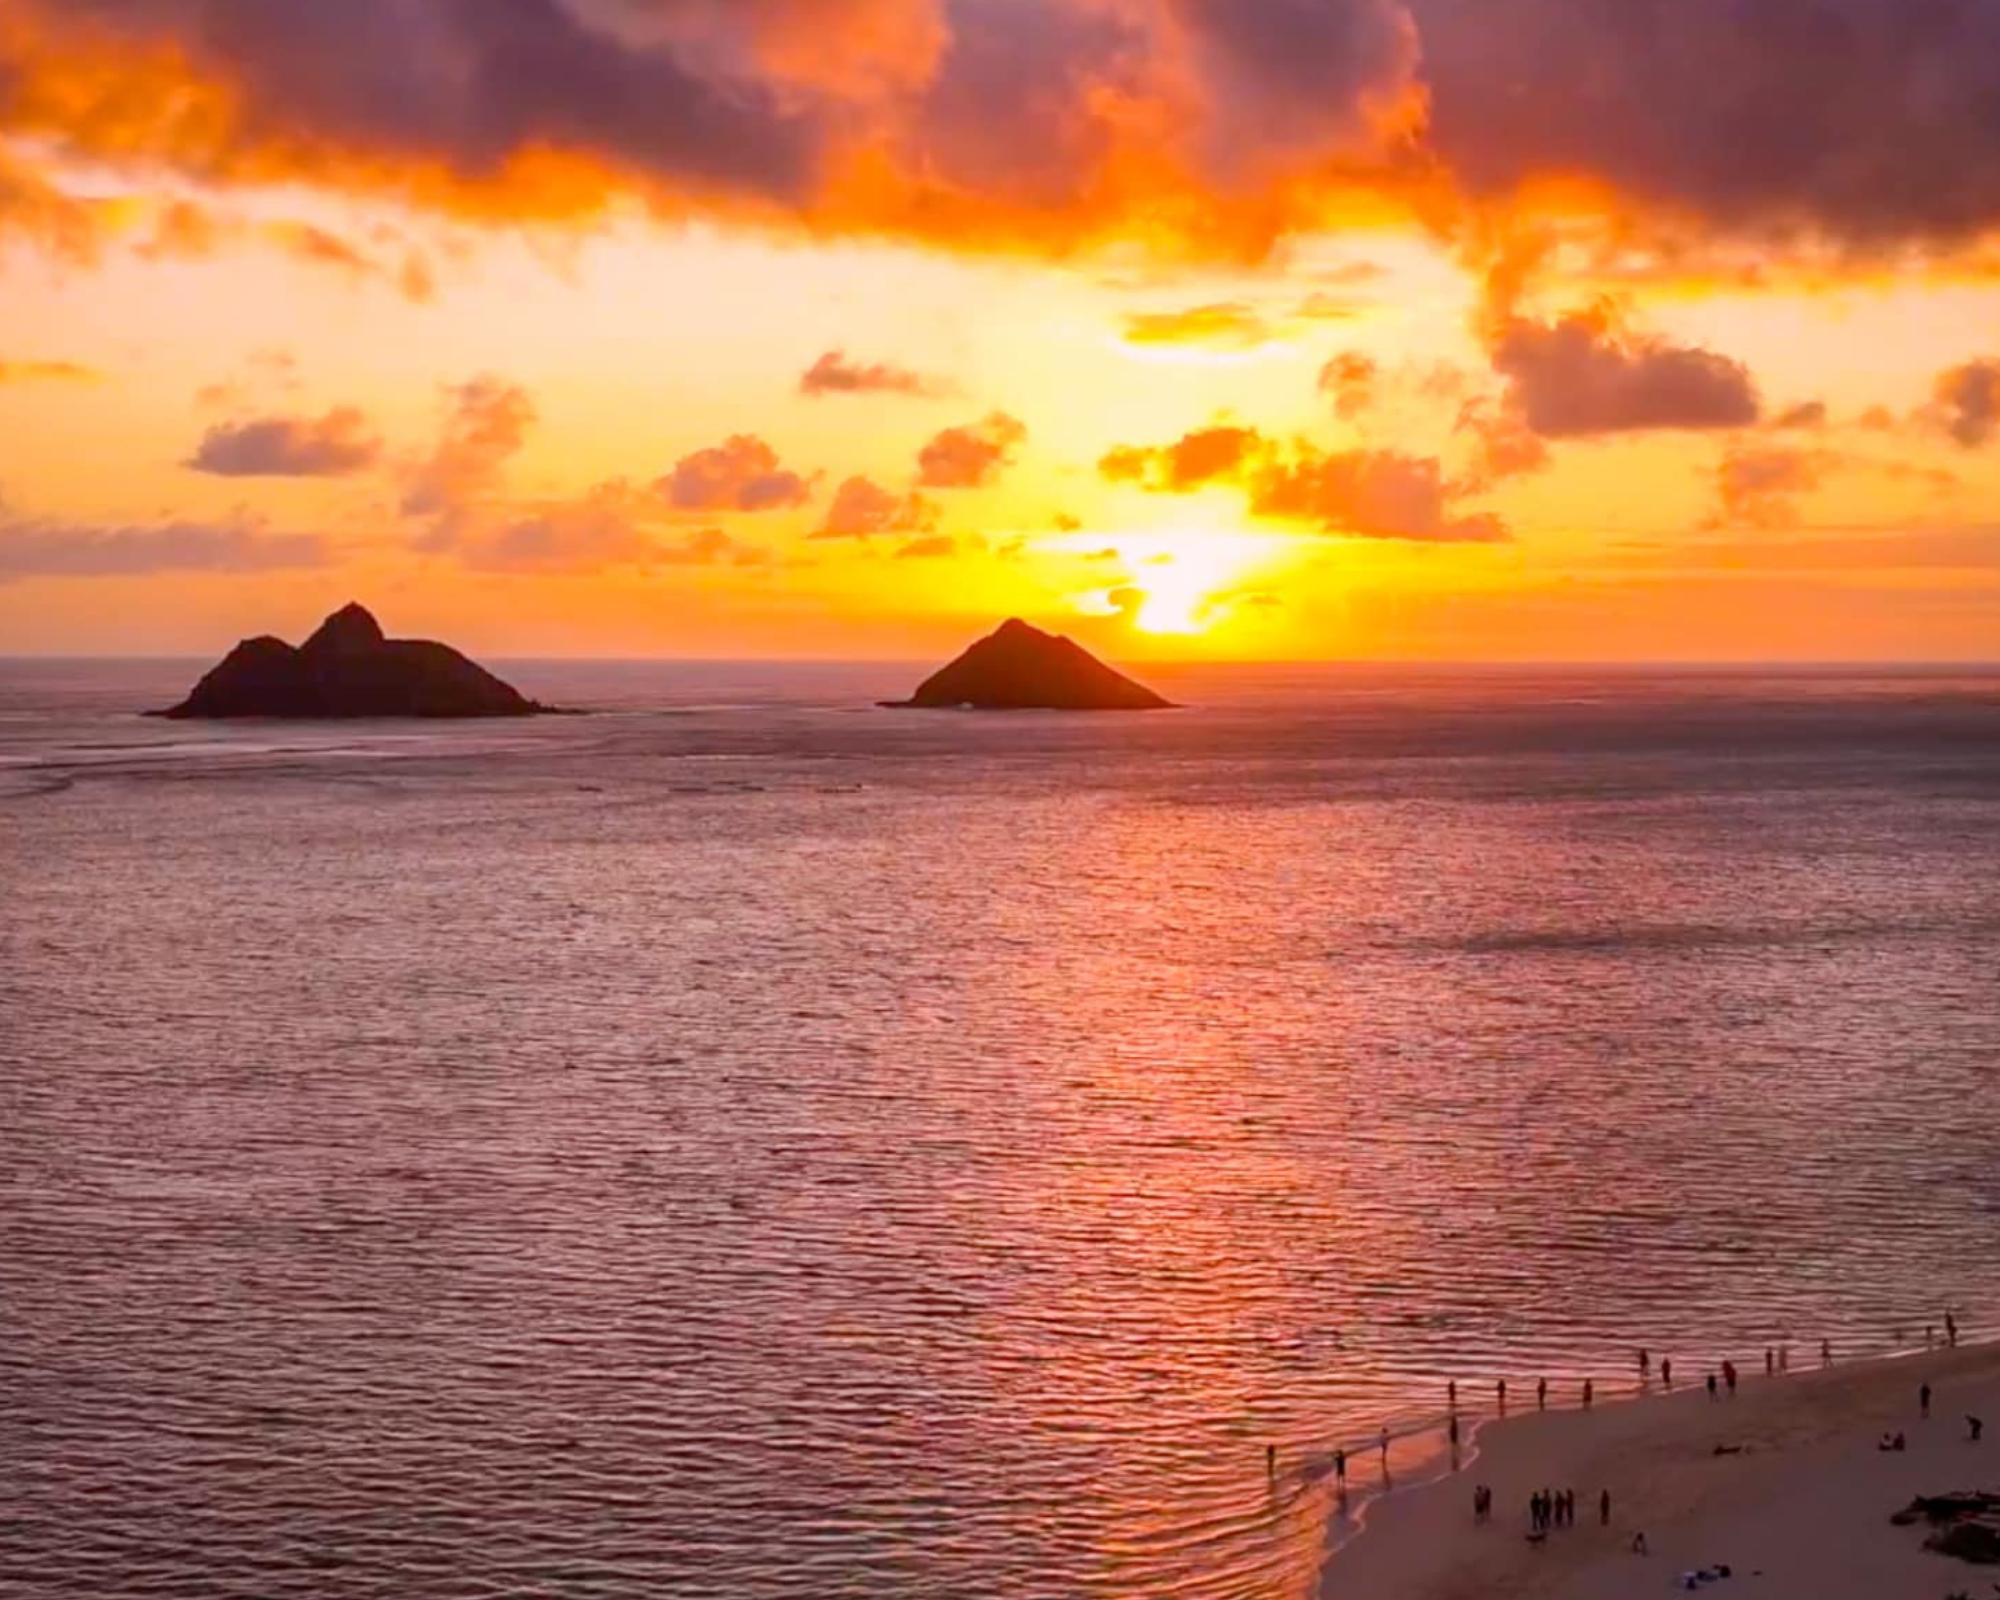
(1924, 1402)
(1974, 1427)
(1729, 1377)
(1770, 1362)
(1951, 1330)
(1500, 1389)
(1645, 1363)
(1826, 1352)
(1639, 1547)
(1454, 1435)
(1535, 1517)
(1667, 1371)
(1385, 1451)
(1541, 1394)
(1589, 1393)
(1711, 1386)
(1340, 1469)
(1604, 1509)
(1451, 1395)
(1270, 1461)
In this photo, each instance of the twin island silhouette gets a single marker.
(350, 669)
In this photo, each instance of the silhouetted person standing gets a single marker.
(1667, 1371)
(1924, 1402)
(1385, 1452)
(1541, 1394)
(1500, 1389)
(1270, 1461)
(1770, 1362)
(1826, 1352)
(1589, 1393)
(1951, 1330)
(1604, 1509)
(1711, 1386)
(1975, 1428)
(1729, 1377)
(1454, 1435)
(1340, 1468)
(1451, 1394)
(1645, 1363)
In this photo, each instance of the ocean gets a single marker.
(749, 1144)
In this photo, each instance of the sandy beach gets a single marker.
(1799, 1506)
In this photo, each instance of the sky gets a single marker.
(1498, 330)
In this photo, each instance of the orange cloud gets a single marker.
(1203, 126)
(1370, 494)
(862, 508)
(741, 474)
(834, 373)
(972, 456)
(1228, 323)
(47, 372)
(486, 426)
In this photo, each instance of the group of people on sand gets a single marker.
(1548, 1509)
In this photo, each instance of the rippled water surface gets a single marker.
(751, 1145)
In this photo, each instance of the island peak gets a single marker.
(1018, 667)
(349, 669)
(352, 627)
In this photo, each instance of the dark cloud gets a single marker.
(336, 445)
(833, 373)
(972, 456)
(1583, 376)
(862, 508)
(30, 549)
(475, 85)
(1868, 120)
(741, 474)
(1224, 123)
(1965, 402)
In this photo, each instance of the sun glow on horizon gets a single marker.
(1182, 582)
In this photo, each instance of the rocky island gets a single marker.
(1019, 668)
(349, 669)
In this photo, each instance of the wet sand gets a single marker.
(1802, 1511)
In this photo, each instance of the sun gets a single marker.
(1179, 599)
(1179, 581)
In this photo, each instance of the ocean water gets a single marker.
(747, 1144)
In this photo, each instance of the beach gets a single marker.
(1798, 1505)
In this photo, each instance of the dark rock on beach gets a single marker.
(349, 669)
(1019, 668)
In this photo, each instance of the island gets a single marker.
(1020, 668)
(349, 669)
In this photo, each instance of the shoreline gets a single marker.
(1793, 1447)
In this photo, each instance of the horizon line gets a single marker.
(1462, 663)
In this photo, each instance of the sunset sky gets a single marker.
(1260, 329)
